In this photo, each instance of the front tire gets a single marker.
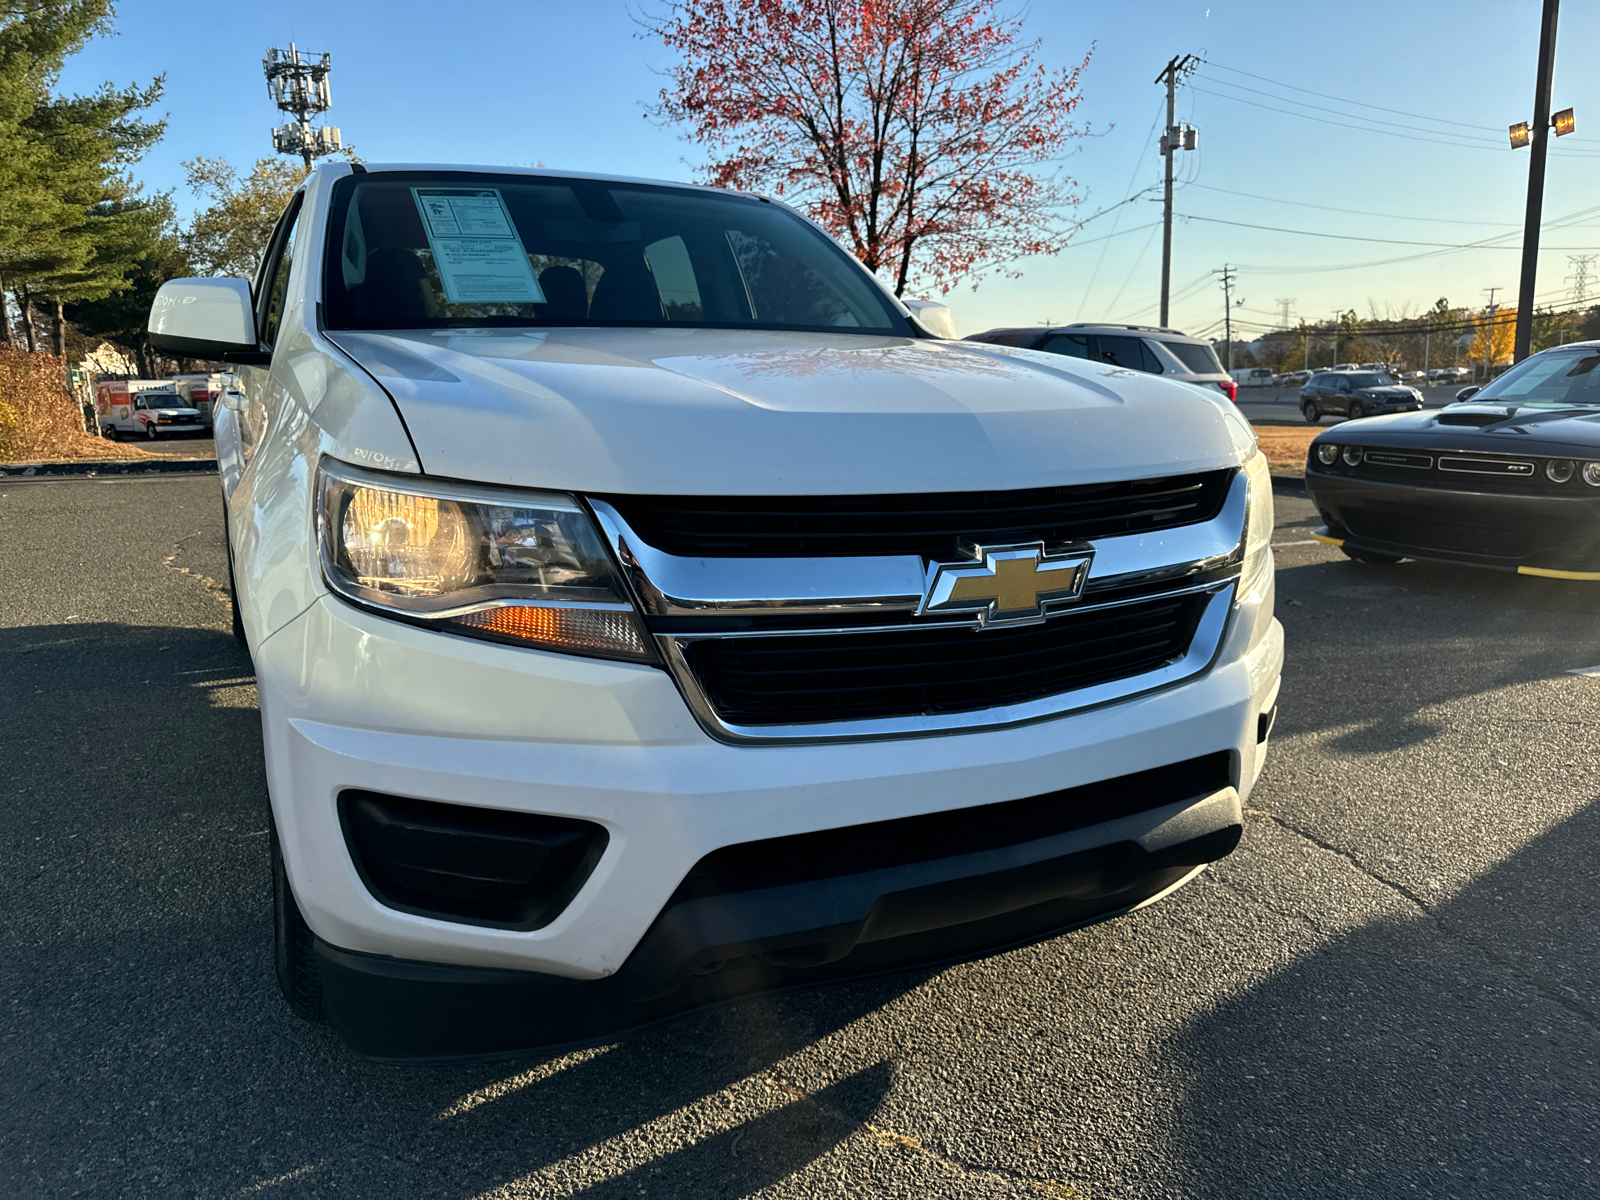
(150, 432)
(1371, 557)
(1311, 412)
(1357, 410)
(293, 957)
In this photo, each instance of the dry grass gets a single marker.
(39, 420)
(1285, 446)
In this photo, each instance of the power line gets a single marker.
(1354, 212)
(1357, 103)
(1460, 143)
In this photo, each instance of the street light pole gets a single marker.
(1540, 143)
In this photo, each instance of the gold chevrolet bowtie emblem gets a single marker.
(1007, 585)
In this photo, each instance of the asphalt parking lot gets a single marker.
(1391, 989)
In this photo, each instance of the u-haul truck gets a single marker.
(201, 391)
(113, 399)
(142, 408)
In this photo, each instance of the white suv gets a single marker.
(648, 609)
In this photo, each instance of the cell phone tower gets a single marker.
(298, 84)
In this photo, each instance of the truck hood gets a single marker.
(741, 412)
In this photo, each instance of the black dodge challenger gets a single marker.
(1507, 477)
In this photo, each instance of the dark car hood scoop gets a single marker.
(1477, 417)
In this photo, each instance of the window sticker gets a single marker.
(475, 247)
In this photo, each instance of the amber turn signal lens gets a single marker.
(593, 631)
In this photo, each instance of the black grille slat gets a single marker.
(933, 525)
(809, 679)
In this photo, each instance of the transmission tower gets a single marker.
(1285, 305)
(1580, 276)
(299, 86)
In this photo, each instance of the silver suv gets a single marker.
(1136, 347)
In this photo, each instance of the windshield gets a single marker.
(444, 249)
(1561, 377)
(1370, 381)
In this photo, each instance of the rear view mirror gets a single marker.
(1468, 393)
(933, 317)
(206, 318)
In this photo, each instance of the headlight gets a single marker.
(1591, 474)
(1352, 456)
(1558, 470)
(1256, 577)
(1327, 454)
(521, 567)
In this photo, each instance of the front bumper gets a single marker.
(1530, 534)
(352, 701)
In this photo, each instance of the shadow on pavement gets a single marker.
(1308, 1085)
(146, 1049)
(1380, 646)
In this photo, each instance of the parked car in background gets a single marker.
(1414, 378)
(647, 608)
(155, 413)
(1138, 347)
(1355, 394)
(1508, 478)
(1251, 377)
(1448, 375)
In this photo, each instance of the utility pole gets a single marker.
(1338, 319)
(1541, 146)
(1227, 310)
(1488, 333)
(1174, 138)
(299, 86)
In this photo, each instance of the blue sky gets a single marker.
(565, 84)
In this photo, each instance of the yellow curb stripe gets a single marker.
(1322, 537)
(1549, 573)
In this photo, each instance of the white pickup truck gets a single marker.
(648, 608)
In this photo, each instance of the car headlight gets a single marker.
(522, 567)
(1328, 454)
(1256, 576)
(1591, 474)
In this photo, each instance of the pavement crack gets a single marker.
(217, 591)
(915, 1145)
(1548, 990)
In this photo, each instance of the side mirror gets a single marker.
(233, 400)
(206, 318)
(1468, 393)
(933, 317)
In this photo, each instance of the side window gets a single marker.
(668, 261)
(276, 277)
(1126, 352)
(1073, 345)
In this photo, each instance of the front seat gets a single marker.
(626, 292)
(566, 298)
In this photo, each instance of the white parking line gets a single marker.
(1307, 542)
(1584, 671)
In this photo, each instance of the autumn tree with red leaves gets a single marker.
(917, 131)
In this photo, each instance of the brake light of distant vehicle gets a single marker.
(1230, 389)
